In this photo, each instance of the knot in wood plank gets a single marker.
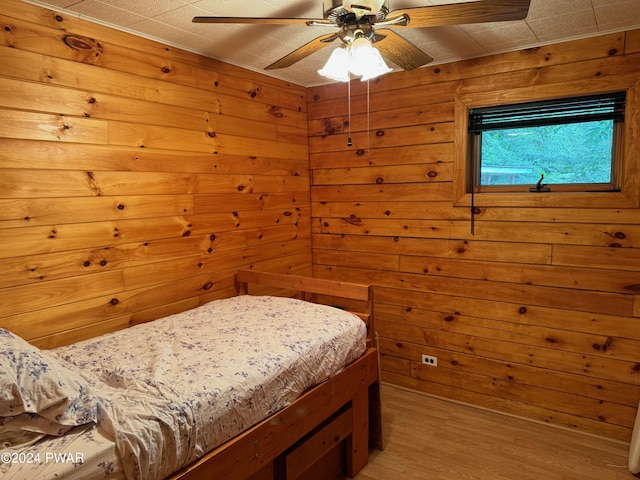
(275, 111)
(353, 220)
(93, 184)
(83, 44)
(331, 127)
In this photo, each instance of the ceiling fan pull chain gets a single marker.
(368, 122)
(349, 143)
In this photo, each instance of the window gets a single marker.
(626, 157)
(571, 144)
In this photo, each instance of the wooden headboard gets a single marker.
(308, 288)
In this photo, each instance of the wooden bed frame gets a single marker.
(340, 415)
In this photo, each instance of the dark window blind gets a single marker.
(608, 106)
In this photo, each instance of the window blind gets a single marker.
(608, 106)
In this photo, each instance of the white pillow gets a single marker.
(36, 385)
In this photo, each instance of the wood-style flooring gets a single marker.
(428, 438)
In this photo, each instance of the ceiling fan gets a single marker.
(356, 19)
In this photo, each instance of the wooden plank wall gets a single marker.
(135, 178)
(538, 313)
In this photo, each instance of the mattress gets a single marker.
(169, 391)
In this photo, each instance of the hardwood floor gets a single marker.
(427, 438)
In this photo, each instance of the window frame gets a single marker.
(628, 171)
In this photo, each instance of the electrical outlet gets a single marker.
(429, 360)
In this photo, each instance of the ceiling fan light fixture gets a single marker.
(366, 61)
(375, 68)
(360, 47)
(361, 59)
(337, 67)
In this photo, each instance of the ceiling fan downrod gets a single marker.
(333, 9)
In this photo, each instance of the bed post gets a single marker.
(375, 414)
(242, 287)
(375, 404)
(357, 442)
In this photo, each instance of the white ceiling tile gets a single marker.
(181, 18)
(149, 8)
(502, 35)
(258, 8)
(625, 14)
(562, 26)
(152, 28)
(613, 3)
(552, 8)
(106, 13)
(445, 42)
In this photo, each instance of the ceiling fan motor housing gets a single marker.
(337, 8)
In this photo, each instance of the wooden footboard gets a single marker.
(343, 410)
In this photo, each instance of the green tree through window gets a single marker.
(576, 153)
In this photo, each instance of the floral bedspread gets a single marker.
(173, 389)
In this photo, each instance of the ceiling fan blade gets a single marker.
(263, 20)
(462, 13)
(312, 47)
(399, 50)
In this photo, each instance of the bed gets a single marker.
(158, 400)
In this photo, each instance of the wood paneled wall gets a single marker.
(538, 313)
(135, 178)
